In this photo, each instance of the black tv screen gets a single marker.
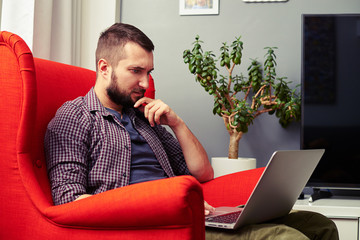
(331, 97)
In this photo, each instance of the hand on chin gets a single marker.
(140, 107)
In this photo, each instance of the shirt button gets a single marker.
(124, 174)
(127, 147)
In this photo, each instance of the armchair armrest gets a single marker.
(232, 189)
(172, 202)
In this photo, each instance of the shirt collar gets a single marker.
(94, 103)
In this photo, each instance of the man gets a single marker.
(124, 61)
(113, 137)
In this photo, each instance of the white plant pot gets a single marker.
(223, 166)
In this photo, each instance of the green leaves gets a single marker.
(224, 56)
(269, 65)
(236, 53)
(238, 98)
(255, 75)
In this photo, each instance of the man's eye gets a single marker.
(135, 70)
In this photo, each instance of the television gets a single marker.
(330, 78)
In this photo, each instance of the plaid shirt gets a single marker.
(88, 151)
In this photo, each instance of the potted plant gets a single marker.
(239, 99)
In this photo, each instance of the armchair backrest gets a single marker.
(32, 89)
(56, 83)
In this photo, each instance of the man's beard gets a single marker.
(120, 97)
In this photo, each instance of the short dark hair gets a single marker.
(113, 39)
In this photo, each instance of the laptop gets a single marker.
(276, 192)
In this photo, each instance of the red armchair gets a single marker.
(31, 91)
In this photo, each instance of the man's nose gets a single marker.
(144, 82)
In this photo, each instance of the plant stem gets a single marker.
(234, 144)
(235, 137)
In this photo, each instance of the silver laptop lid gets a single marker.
(276, 192)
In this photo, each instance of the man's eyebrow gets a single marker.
(141, 68)
(137, 67)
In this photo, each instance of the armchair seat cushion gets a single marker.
(231, 190)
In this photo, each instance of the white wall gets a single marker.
(96, 17)
(261, 25)
(12, 15)
(60, 30)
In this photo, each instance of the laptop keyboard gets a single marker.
(227, 218)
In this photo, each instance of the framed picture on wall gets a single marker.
(198, 7)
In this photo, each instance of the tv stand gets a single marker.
(343, 210)
(319, 194)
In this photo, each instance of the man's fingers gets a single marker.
(160, 112)
(153, 114)
(144, 100)
(155, 111)
(208, 208)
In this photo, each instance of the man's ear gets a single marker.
(104, 69)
